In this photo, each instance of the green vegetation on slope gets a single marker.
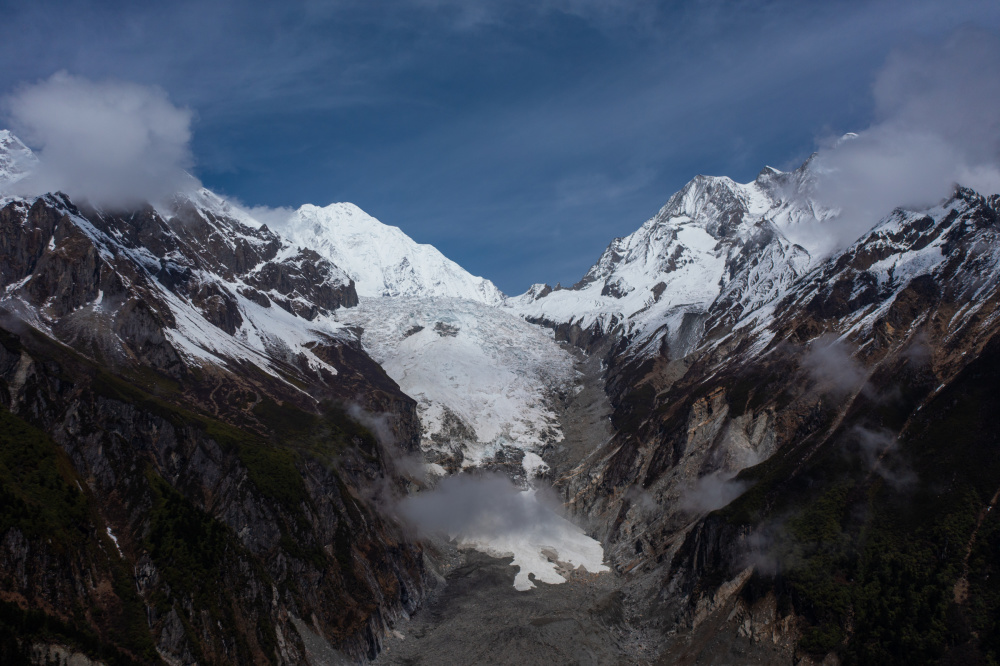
(38, 491)
(275, 442)
(42, 498)
(871, 558)
(193, 552)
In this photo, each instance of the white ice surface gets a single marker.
(486, 366)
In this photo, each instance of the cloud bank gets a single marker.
(488, 513)
(936, 126)
(112, 143)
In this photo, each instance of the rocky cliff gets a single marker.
(184, 476)
(815, 477)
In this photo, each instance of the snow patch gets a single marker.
(115, 539)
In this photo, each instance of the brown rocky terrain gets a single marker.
(766, 495)
(155, 508)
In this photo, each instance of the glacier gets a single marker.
(483, 378)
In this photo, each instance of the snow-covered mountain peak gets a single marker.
(767, 173)
(10, 142)
(381, 259)
(207, 201)
(728, 210)
(705, 199)
(714, 239)
(16, 159)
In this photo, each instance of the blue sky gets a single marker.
(517, 137)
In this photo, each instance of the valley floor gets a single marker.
(479, 618)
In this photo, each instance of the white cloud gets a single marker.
(274, 218)
(490, 514)
(487, 506)
(113, 143)
(832, 365)
(936, 125)
(710, 492)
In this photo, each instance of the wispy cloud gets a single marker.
(831, 364)
(710, 492)
(481, 505)
(588, 189)
(879, 449)
(936, 126)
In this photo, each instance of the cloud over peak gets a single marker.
(113, 143)
(936, 125)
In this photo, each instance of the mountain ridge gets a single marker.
(16, 159)
(771, 411)
(711, 240)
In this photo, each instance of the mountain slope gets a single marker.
(179, 380)
(238, 296)
(796, 458)
(16, 159)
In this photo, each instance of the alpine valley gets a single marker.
(316, 441)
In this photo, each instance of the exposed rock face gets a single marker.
(116, 278)
(201, 486)
(796, 455)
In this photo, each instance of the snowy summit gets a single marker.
(382, 260)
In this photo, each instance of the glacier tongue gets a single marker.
(484, 380)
